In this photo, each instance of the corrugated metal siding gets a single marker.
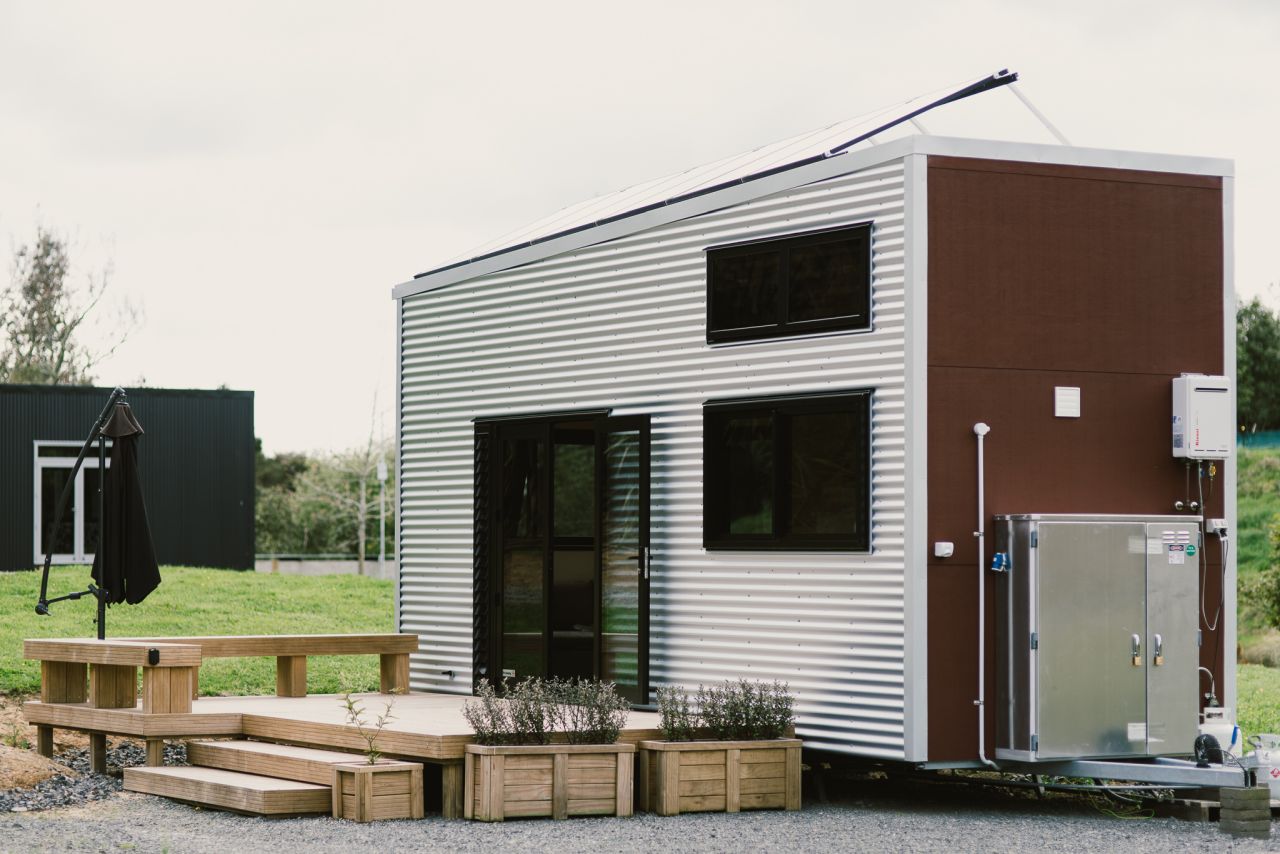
(622, 325)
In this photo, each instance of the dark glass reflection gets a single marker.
(52, 480)
(826, 280)
(575, 488)
(824, 473)
(744, 290)
(90, 514)
(748, 440)
(523, 470)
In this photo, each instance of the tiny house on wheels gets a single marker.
(885, 418)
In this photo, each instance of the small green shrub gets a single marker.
(531, 705)
(678, 720)
(368, 731)
(744, 710)
(533, 710)
(589, 712)
(488, 716)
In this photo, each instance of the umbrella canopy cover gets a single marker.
(125, 563)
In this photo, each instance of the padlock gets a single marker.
(1159, 660)
(1137, 661)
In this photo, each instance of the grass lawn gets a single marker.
(1258, 503)
(206, 602)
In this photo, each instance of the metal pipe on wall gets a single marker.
(981, 430)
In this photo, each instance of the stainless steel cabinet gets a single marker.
(1098, 636)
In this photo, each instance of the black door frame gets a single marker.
(487, 569)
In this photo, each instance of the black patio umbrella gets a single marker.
(124, 563)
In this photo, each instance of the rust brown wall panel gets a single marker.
(1073, 273)
(1041, 276)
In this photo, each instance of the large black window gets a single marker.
(788, 473)
(816, 282)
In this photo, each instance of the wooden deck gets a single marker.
(92, 686)
(427, 726)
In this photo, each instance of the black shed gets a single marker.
(196, 463)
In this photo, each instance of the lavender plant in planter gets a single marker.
(747, 762)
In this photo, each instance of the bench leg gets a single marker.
(291, 675)
(451, 790)
(393, 673)
(44, 740)
(98, 752)
(155, 752)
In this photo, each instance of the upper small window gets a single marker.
(816, 282)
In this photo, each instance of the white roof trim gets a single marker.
(832, 167)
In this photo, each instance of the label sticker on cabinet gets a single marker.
(1138, 731)
(1177, 555)
(1191, 551)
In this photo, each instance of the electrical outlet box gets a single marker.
(1202, 423)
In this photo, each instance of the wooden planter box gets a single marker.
(363, 792)
(719, 776)
(556, 780)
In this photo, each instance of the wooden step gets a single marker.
(271, 760)
(230, 790)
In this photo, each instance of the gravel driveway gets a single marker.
(950, 821)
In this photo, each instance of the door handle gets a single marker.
(1158, 659)
(1135, 649)
(644, 564)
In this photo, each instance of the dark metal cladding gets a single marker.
(1109, 280)
(195, 462)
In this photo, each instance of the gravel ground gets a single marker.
(908, 821)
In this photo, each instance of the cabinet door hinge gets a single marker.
(1035, 743)
(1035, 641)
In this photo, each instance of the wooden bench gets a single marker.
(170, 672)
(291, 651)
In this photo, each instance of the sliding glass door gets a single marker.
(568, 550)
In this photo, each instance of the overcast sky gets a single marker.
(260, 175)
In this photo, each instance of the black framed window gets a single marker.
(788, 473)
(813, 282)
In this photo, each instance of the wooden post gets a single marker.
(364, 795)
(468, 788)
(62, 682)
(793, 779)
(732, 781)
(393, 673)
(166, 690)
(155, 752)
(560, 785)
(113, 686)
(195, 683)
(625, 803)
(669, 787)
(456, 789)
(98, 752)
(44, 740)
(497, 782)
(291, 675)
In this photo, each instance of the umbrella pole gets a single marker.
(102, 535)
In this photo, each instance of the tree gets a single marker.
(346, 482)
(1257, 367)
(42, 315)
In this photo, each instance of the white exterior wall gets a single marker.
(622, 325)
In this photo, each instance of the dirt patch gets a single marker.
(15, 731)
(23, 768)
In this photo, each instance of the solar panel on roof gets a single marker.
(830, 141)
